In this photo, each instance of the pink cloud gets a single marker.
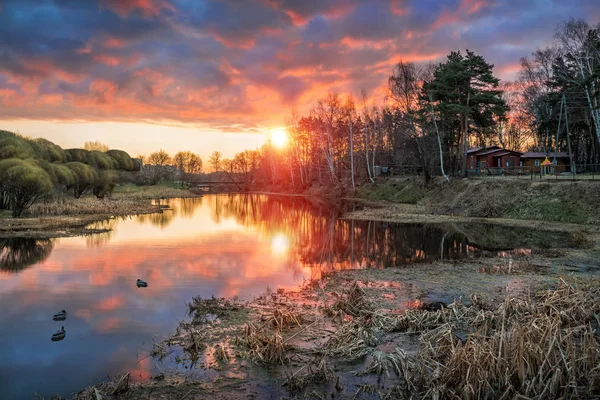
(107, 59)
(148, 8)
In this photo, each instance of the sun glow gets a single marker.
(280, 244)
(279, 137)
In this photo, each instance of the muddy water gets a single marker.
(223, 246)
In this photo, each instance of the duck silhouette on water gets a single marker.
(60, 316)
(141, 283)
(60, 335)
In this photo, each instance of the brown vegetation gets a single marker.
(337, 336)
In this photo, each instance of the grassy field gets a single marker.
(572, 202)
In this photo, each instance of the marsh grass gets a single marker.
(127, 199)
(309, 374)
(90, 206)
(540, 345)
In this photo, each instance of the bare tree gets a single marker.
(98, 146)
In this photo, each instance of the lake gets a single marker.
(217, 245)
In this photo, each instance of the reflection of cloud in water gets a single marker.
(219, 245)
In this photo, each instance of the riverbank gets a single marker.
(518, 324)
(70, 217)
(556, 201)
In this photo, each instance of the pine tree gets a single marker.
(465, 93)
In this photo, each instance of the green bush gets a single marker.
(78, 155)
(86, 178)
(101, 161)
(105, 183)
(23, 183)
(14, 146)
(126, 163)
(48, 151)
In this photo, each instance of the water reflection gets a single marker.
(222, 245)
(19, 253)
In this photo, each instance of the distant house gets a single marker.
(532, 160)
(492, 157)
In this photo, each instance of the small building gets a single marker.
(533, 161)
(493, 157)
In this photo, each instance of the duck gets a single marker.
(60, 316)
(60, 335)
(141, 283)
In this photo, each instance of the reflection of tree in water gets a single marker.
(17, 254)
(319, 239)
(188, 206)
(161, 219)
(185, 207)
(98, 239)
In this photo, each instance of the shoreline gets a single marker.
(71, 217)
(363, 331)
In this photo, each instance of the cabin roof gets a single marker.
(485, 153)
(534, 154)
(506, 153)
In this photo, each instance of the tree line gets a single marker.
(159, 166)
(32, 169)
(432, 113)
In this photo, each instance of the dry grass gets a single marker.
(264, 344)
(541, 347)
(309, 374)
(90, 206)
(126, 200)
(106, 390)
(580, 240)
(136, 193)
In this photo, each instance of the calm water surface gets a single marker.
(225, 246)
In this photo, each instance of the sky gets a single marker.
(205, 75)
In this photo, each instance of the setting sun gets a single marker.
(279, 137)
(280, 244)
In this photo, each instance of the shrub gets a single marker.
(14, 146)
(23, 183)
(86, 177)
(124, 160)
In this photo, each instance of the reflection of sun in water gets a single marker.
(279, 137)
(280, 244)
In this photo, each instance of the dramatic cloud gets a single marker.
(239, 65)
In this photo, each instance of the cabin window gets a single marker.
(499, 161)
(520, 163)
(537, 163)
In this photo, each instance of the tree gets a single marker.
(215, 161)
(24, 183)
(102, 161)
(86, 177)
(465, 92)
(13, 145)
(104, 183)
(189, 163)
(47, 150)
(124, 160)
(350, 114)
(158, 163)
(98, 146)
